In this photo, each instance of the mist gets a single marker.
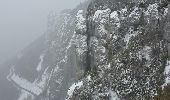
(22, 21)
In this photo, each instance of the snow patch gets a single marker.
(103, 49)
(135, 14)
(81, 45)
(101, 15)
(167, 74)
(101, 18)
(115, 17)
(123, 13)
(72, 88)
(114, 37)
(39, 67)
(152, 12)
(145, 53)
(109, 66)
(89, 78)
(81, 21)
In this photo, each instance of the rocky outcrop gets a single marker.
(127, 51)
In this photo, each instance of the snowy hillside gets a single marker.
(101, 50)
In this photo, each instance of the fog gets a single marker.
(22, 21)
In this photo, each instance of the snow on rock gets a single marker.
(115, 17)
(103, 49)
(101, 15)
(72, 88)
(102, 31)
(39, 67)
(89, 78)
(109, 66)
(145, 53)
(102, 19)
(114, 37)
(81, 21)
(81, 45)
(135, 15)
(123, 13)
(152, 12)
(167, 74)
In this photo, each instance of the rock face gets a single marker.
(101, 50)
(127, 51)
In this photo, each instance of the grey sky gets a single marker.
(22, 21)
